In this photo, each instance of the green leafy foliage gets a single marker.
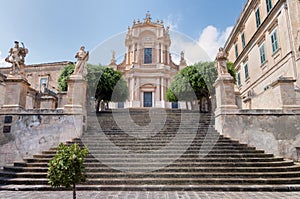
(110, 83)
(102, 82)
(196, 82)
(231, 70)
(63, 77)
(67, 168)
(188, 85)
(94, 72)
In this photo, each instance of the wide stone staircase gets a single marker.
(158, 149)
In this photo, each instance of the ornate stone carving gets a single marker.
(81, 65)
(17, 56)
(148, 18)
(182, 59)
(113, 60)
(220, 64)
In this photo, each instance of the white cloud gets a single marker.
(211, 39)
(3, 63)
(192, 50)
(205, 48)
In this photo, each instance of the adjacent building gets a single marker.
(40, 77)
(265, 48)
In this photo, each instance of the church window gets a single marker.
(147, 55)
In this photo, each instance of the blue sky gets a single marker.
(53, 30)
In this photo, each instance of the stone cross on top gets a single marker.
(148, 17)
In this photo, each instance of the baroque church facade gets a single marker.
(148, 67)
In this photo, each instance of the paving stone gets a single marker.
(146, 195)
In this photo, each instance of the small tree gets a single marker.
(67, 168)
(195, 82)
(110, 87)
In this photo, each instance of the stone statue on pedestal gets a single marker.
(182, 59)
(221, 60)
(81, 65)
(17, 56)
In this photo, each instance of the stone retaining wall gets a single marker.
(34, 131)
(274, 131)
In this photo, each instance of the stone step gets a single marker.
(167, 159)
(220, 169)
(124, 175)
(211, 161)
(168, 151)
(51, 150)
(174, 164)
(159, 155)
(166, 181)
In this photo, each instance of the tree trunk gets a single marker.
(200, 104)
(209, 106)
(74, 191)
(186, 104)
(192, 105)
(98, 106)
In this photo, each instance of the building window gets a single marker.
(257, 16)
(246, 71)
(236, 50)
(269, 5)
(239, 79)
(147, 55)
(262, 54)
(243, 40)
(274, 40)
(43, 83)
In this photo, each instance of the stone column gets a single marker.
(16, 92)
(161, 53)
(162, 92)
(132, 89)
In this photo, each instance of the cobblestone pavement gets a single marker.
(146, 195)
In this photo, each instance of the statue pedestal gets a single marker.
(48, 102)
(225, 95)
(16, 92)
(225, 100)
(76, 95)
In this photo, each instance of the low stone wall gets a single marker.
(34, 131)
(273, 131)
